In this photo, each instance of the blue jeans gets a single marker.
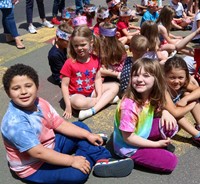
(79, 5)
(49, 173)
(29, 10)
(8, 22)
(58, 5)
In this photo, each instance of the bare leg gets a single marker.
(109, 91)
(183, 123)
(80, 102)
(195, 112)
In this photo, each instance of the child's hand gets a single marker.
(137, 32)
(168, 121)
(15, 2)
(95, 139)
(67, 113)
(163, 143)
(80, 162)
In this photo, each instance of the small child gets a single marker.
(58, 53)
(90, 12)
(82, 86)
(68, 14)
(138, 46)
(149, 29)
(180, 21)
(123, 26)
(102, 16)
(39, 142)
(196, 25)
(137, 133)
(114, 6)
(142, 7)
(113, 53)
(182, 96)
(151, 13)
(188, 8)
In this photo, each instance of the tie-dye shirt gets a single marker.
(129, 117)
(23, 130)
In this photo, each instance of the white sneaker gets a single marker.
(47, 24)
(32, 29)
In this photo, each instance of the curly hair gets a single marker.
(19, 69)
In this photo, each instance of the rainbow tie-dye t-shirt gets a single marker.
(130, 117)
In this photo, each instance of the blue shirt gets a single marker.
(6, 4)
(149, 16)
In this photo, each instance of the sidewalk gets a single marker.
(35, 55)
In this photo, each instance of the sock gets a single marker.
(83, 114)
(115, 100)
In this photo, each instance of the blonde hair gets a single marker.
(139, 44)
(83, 31)
(157, 96)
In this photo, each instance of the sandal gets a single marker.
(20, 46)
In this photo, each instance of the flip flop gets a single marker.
(20, 46)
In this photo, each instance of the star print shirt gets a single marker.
(82, 75)
(22, 130)
(126, 74)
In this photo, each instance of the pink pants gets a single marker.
(156, 159)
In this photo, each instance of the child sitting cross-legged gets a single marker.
(39, 143)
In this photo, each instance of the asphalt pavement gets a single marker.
(35, 55)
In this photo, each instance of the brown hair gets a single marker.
(177, 62)
(157, 96)
(149, 29)
(65, 27)
(165, 17)
(112, 50)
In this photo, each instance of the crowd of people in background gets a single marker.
(99, 57)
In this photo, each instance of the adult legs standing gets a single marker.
(58, 5)
(29, 15)
(79, 5)
(10, 28)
